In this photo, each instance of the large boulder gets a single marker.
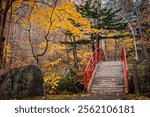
(22, 82)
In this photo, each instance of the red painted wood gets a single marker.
(97, 56)
(125, 68)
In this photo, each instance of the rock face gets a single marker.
(22, 82)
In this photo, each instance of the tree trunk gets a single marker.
(143, 45)
(2, 45)
(134, 43)
(135, 76)
(67, 51)
(2, 40)
(6, 44)
(3, 16)
(92, 43)
(134, 40)
(116, 49)
(97, 41)
(75, 53)
(133, 34)
(104, 46)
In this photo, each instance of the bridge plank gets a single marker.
(108, 77)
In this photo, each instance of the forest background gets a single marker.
(60, 36)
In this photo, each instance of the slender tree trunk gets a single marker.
(116, 49)
(2, 40)
(136, 80)
(75, 53)
(134, 41)
(97, 41)
(67, 51)
(133, 34)
(104, 46)
(6, 49)
(143, 45)
(92, 43)
(99, 5)
(3, 16)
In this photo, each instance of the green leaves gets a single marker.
(102, 18)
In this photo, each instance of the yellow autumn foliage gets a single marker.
(51, 82)
(129, 42)
(55, 62)
(84, 55)
(55, 47)
(95, 31)
(110, 35)
(59, 18)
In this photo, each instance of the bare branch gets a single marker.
(50, 25)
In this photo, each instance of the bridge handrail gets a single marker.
(125, 68)
(97, 56)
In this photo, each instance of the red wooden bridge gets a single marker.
(101, 75)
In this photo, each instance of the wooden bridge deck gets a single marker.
(108, 77)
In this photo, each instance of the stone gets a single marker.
(22, 82)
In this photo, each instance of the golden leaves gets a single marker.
(95, 31)
(60, 19)
(55, 62)
(52, 82)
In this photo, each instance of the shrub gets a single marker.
(51, 83)
(71, 83)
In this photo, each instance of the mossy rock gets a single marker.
(22, 82)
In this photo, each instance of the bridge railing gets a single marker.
(97, 56)
(125, 68)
